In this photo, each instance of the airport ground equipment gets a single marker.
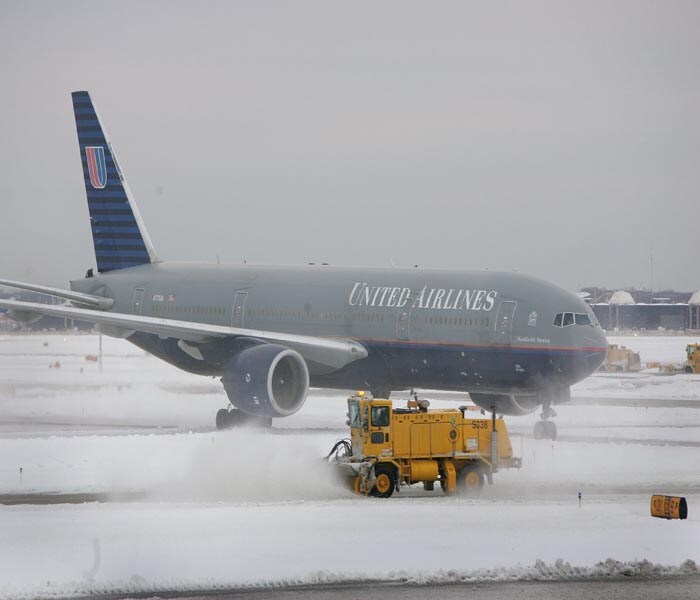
(669, 507)
(619, 359)
(692, 364)
(390, 447)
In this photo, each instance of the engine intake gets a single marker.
(267, 380)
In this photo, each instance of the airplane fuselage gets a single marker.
(478, 331)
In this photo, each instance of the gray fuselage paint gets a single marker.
(444, 329)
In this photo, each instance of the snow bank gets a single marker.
(539, 571)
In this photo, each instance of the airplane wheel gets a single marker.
(222, 419)
(540, 431)
(551, 430)
(386, 482)
(470, 480)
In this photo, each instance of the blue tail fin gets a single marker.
(118, 232)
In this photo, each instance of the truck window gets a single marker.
(380, 416)
(354, 414)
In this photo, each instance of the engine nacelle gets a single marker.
(507, 404)
(267, 380)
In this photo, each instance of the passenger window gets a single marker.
(568, 319)
(557, 320)
(582, 319)
(532, 319)
(380, 416)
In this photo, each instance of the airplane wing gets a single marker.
(77, 297)
(332, 352)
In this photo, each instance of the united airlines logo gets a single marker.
(364, 294)
(96, 166)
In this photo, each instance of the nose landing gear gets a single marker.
(546, 429)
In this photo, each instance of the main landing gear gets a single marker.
(228, 418)
(546, 429)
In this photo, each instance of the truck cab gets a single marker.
(370, 426)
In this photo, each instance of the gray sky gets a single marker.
(559, 139)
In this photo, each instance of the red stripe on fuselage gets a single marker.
(484, 346)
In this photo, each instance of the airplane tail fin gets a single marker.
(118, 231)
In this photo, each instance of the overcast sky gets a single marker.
(559, 139)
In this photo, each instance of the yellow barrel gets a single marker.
(424, 470)
(669, 507)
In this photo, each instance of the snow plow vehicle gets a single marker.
(692, 365)
(619, 359)
(393, 447)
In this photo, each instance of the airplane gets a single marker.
(515, 343)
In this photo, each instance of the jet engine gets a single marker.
(507, 404)
(267, 380)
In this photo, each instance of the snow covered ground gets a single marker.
(195, 508)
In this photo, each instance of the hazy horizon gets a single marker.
(557, 140)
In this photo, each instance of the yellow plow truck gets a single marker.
(390, 447)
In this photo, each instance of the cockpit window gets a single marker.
(566, 319)
(582, 319)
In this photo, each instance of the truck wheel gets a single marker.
(470, 480)
(386, 482)
(688, 369)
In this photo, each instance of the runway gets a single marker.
(127, 490)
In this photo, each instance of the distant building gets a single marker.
(645, 310)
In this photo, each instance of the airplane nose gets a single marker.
(596, 345)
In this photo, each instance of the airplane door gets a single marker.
(238, 308)
(137, 304)
(504, 321)
(403, 320)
